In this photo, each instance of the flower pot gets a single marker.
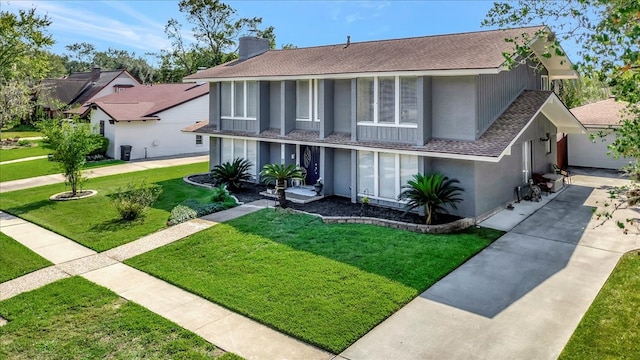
(318, 188)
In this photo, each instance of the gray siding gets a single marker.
(464, 171)
(307, 125)
(325, 107)
(342, 172)
(454, 107)
(327, 170)
(342, 106)
(239, 125)
(287, 107)
(538, 129)
(275, 108)
(387, 134)
(264, 106)
(425, 110)
(497, 92)
(274, 154)
(496, 182)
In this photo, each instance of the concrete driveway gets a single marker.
(520, 298)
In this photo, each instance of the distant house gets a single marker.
(77, 90)
(366, 116)
(149, 118)
(597, 117)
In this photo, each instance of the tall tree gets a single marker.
(80, 56)
(216, 28)
(23, 46)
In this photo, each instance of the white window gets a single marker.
(239, 148)
(238, 100)
(382, 175)
(544, 83)
(198, 139)
(389, 100)
(307, 100)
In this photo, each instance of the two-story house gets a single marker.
(366, 116)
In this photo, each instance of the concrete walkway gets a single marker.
(520, 298)
(23, 159)
(103, 171)
(227, 330)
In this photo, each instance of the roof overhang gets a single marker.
(558, 66)
(558, 114)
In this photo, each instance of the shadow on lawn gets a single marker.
(24, 209)
(118, 224)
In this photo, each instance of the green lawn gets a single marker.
(75, 319)
(40, 149)
(94, 222)
(611, 327)
(40, 167)
(17, 259)
(325, 284)
(20, 134)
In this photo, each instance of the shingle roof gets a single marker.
(106, 77)
(607, 112)
(144, 102)
(473, 50)
(491, 144)
(63, 90)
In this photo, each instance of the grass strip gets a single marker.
(39, 149)
(94, 221)
(41, 167)
(609, 329)
(17, 259)
(325, 284)
(75, 319)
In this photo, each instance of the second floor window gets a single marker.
(238, 99)
(307, 100)
(387, 100)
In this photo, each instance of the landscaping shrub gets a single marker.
(132, 201)
(103, 144)
(232, 173)
(191, 208)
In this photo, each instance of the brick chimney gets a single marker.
(95, 73)
(251, 46)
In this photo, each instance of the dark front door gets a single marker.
(310, 161)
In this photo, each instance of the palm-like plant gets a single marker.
(232, 173)
(279, 174)
(433, 191)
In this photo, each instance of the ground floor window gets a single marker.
(235, 148)
(198, 139)
(381, 175)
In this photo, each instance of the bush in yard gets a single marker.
(132, 201)
(433, 191)
(191, 208)
(181, 214)
(103, 144)
(220, 194)
(232, 173)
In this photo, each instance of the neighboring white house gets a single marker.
(597, 117)
(149, 119)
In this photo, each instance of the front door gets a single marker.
(310, 161)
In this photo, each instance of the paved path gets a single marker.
(103, 171)
(23, 159)
(227, 330)
(520, 298)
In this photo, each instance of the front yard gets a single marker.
(325, 284)
(41, 167)
(94, 222)
(75, 319)
(17, 260)
(40, 148)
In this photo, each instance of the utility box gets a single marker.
(125, 152)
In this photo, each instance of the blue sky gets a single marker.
(138, 26)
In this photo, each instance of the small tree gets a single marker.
(433, 191)
(71, 144)
(279, 174)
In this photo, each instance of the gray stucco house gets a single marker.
(366, 116)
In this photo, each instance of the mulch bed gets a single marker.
(332, 205)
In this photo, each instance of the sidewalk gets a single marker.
(132, 166)
(227, 330)
(23, 159)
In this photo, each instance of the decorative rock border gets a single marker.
(425, 229)
(56, 198)
(186, 179)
